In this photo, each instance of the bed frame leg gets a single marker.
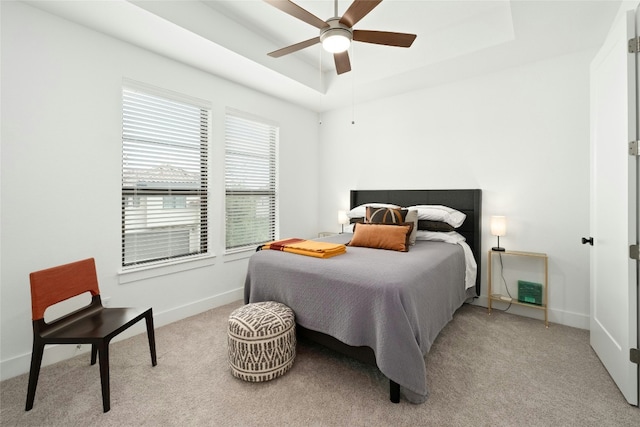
(394, 391)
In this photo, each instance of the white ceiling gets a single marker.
(456, 39)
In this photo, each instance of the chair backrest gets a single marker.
(56, 284)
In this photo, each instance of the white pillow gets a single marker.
(440, 236)
(361, 211)
(440, 213)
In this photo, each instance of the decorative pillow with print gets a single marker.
(385, 215)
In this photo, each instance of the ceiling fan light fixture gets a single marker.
(336, 40)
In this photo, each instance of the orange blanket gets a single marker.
(307, 247)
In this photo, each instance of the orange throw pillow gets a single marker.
(382, 236)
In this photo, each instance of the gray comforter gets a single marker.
(393, 302)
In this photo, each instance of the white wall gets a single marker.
(521, 135)
(61, 171)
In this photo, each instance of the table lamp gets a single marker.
(498, 228)
(342, 219)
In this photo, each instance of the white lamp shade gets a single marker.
(343, 218)
(498, 225)
(336, 43)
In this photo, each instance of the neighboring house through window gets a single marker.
(164, 176)
(251, 198)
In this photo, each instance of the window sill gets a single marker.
(238, 254)
(150, 271)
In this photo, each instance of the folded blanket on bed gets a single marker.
(307, 247)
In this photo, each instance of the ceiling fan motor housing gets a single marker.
(336, 29)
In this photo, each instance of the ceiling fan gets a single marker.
(337, 33)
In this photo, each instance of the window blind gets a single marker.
(251, 199)
(164, 179)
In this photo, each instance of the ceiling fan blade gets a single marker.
(357, 11)
(296, 11)
(294, 47)
(343, 65)
(384, 37)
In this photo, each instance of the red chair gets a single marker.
(93, 324)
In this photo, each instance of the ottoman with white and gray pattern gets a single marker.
(261, 340)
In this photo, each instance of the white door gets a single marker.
(614, 191)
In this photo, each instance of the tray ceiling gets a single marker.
(455, 40)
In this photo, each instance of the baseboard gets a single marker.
(56, 353)
(575, 320)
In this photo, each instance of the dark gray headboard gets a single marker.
(467, 201)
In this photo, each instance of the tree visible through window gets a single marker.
(164, 178)
(250, 181)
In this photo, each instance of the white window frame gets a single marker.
(165, 143)
(251, 180)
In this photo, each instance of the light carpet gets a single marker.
(498, 370)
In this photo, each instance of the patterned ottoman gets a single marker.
(262, 341)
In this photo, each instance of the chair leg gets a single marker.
(34, 373)
(152, 337)
(103, 349)
(94, 353)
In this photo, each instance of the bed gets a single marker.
(378, 306)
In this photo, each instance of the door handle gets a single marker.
(589, 241)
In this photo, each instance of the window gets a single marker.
(164, 178)
(251, 198)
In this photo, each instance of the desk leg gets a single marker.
(489, 263)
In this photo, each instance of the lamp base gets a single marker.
(497, 249)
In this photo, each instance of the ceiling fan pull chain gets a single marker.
(353, 92)
(321, 87)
